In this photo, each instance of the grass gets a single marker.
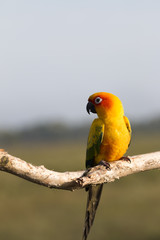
(129, 208)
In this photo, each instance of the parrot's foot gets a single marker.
(126, 159)
(106, 164)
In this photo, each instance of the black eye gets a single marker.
(98, 100)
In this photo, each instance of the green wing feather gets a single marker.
(94, 141)
(128, 125)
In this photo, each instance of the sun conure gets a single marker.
(108, 140)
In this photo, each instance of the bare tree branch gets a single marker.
(79, 179)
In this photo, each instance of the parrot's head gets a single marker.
(106, 105)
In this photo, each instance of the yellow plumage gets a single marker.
(115, 141)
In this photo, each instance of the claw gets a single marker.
(106, 164)
(126, 159)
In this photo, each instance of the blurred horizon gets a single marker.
(56, 131)
(75, 124)
(71, 124)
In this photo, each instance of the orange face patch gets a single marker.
(107, 99)
(107, 103)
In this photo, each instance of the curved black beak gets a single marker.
(90, 108)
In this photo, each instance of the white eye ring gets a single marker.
(98, 100)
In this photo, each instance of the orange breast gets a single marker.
(115, 143)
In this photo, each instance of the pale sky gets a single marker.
(54, 54)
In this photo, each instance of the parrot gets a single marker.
(108, 140)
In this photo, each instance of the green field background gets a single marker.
(129, 207)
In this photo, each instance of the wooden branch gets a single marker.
(79, 179)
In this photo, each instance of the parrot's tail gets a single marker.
(94, 194)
